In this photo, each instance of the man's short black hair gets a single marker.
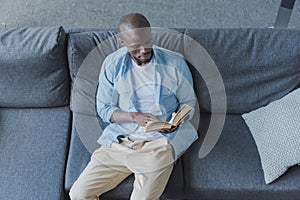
(132, 21)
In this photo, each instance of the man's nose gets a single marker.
(142, 49)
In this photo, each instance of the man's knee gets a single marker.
(81, 194)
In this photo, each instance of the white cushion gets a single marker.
(276, 131)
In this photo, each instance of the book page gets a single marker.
(181, 114)
(157, 126)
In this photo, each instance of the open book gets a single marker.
(176, 119)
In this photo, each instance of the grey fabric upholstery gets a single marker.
(78, 158)
(34, 113)
(33, 151)
(232, 170)
(257, 65)
(81, 44)
(40, 160)
(82, 41)
(33, 67)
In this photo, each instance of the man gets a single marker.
(137, 84)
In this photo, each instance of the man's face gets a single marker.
(139, 44)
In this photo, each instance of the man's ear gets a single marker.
(122, 42)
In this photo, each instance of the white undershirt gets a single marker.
(143, 78)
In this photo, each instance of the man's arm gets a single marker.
(142, 119)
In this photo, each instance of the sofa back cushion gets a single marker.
(34, 70)
(257, 65)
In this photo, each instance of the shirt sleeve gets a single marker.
(107, 96)
(185, 91)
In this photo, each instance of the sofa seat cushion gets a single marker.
(34, 70)
(232, 169)
(276, 131)
(33, 151)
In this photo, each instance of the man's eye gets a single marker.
(134, 51)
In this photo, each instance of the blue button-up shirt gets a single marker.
(173, 86)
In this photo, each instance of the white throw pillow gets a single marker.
(276, 131)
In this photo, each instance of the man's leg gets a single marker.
(150, 186)
(152, 163)
(102, 174)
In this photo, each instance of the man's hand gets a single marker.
(169, 130)
(142, 118)
(173, 128)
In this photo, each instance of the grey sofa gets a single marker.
(42, 152)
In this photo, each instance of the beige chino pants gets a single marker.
(150, 161)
